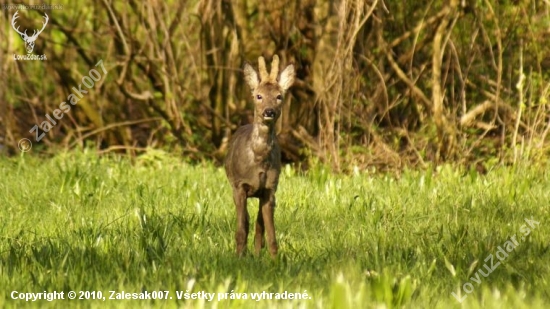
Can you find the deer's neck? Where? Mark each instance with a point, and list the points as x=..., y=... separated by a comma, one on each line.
x=263, y=140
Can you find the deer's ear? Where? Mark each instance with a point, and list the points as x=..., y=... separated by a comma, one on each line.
x=251, y=77
x=287, y=78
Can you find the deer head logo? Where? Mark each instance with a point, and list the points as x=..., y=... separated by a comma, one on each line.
x=29, y=40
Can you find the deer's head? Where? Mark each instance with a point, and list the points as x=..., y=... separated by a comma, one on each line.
x=268, y=90
x=29, y=40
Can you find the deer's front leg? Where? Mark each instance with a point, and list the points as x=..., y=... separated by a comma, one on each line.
x=259, y=241
x=239, y=195
x=267, y=205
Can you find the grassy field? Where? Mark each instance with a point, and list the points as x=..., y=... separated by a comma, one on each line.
x=79, y=222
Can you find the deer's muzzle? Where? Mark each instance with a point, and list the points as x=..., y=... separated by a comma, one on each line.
x=269, y=114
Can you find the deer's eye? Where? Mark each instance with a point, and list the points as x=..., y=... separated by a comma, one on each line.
x=279, y=97
x=258, y=97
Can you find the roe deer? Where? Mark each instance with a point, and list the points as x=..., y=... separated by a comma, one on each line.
x=253, y=161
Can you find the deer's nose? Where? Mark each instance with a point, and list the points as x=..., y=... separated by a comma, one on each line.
x=269, y=113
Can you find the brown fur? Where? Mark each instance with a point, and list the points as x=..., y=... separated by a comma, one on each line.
x=253, y=161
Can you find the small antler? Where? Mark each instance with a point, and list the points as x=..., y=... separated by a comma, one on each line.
x=263, y=71
x=274, y=68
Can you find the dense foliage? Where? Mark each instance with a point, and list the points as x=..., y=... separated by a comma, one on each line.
x=382, y=83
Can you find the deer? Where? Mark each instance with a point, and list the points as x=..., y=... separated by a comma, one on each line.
x=29, y=40
x=253, y=160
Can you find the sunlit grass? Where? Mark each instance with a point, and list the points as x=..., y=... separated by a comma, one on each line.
x=79, y=222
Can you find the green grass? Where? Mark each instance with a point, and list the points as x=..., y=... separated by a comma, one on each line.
x=79, y=222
